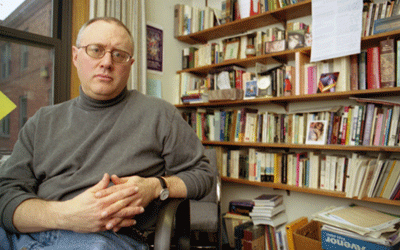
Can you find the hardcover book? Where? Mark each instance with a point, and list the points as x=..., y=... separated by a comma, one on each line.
x=373, y=68
x=387, y=63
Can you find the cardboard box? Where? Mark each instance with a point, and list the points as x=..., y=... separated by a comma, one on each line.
x=308, y=237
x=225, y=94
x=335, y=241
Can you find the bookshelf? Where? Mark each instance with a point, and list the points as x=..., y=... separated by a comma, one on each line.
x=301, y=9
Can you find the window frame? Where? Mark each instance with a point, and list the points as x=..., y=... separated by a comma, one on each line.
x=60, y=42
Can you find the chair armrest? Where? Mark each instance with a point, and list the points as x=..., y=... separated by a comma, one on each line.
x=170, y=225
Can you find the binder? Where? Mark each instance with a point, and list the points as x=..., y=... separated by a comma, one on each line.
x=292, y=227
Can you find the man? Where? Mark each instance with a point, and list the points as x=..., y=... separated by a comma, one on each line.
x=83, y=169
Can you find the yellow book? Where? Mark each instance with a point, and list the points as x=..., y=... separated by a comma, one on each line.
x=291, y=227
x=348, y=128
x=387, y=178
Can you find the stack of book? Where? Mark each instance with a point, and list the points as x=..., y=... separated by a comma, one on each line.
x=358, y=226
x=268, y=210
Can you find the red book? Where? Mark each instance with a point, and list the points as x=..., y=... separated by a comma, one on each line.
x=373, y=68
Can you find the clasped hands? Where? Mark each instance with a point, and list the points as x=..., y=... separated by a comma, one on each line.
x=103, y=208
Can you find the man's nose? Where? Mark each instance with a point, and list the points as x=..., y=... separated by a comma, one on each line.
x=107, y=61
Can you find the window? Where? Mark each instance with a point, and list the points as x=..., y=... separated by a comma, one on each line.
x=35, y=60
x=24, y=57
x=23, y=110
x=5, y=60
x=5, y=126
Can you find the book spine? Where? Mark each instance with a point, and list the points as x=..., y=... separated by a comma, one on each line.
x=373, y=68
x=387, y=63
x=368, y=124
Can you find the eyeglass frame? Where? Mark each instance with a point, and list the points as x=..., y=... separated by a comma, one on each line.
x=105, y=51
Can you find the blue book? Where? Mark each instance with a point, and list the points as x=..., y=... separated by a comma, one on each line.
x=335, y=241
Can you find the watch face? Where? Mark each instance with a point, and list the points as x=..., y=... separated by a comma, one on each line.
x=164, y=194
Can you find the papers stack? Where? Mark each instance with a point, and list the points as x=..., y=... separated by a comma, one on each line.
x=358, y=222
x=268, y=210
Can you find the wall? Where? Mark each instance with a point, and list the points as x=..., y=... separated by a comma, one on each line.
x=297, y=204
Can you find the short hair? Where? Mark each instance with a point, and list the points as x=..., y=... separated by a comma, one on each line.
x=105, y=19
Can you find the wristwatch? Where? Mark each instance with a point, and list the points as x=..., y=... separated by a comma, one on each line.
x=164, y=191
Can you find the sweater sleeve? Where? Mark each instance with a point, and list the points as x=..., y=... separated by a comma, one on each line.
x=17, y=181
x=184, y=157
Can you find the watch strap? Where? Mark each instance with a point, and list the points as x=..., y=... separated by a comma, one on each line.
x=162, y=181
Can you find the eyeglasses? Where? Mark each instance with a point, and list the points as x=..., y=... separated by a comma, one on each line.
x=98, y=51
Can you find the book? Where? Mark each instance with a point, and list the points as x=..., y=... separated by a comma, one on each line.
x=393, y=126
x=253, y=237
x=242, y=206
x=373, y=68
x=268, y=200
x=274, y=221
x=387, y=63
x=368, y=124
x=291, y=227
x=266, y=210
x=391, y=180
x=354, y=71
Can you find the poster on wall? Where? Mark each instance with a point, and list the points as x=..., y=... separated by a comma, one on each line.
x=154, y=39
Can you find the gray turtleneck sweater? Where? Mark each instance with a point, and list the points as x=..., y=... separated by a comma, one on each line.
x=66, y=148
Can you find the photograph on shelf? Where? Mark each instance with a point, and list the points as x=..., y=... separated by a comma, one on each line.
x=264, y=86
x=251, y=89
x=232, y=50
x=296, y=39
x=316, y=132
x=327, y=82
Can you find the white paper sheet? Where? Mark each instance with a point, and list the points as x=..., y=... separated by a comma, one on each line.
x=336, y=28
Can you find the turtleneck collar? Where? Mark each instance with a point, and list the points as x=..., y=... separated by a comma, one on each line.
x=87, y=102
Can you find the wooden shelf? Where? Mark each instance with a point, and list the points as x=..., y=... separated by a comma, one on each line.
x=282, y=57
x=284, y=100
x=305, y=146
x=240, y=26
x=307, y=190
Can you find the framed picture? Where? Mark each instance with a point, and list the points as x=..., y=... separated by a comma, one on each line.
x=231, y=50
x=154, y=41
x=251, y=89
x=327, y=82
x=316, y=132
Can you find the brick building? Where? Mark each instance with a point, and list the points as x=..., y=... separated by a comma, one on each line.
x=25, y=71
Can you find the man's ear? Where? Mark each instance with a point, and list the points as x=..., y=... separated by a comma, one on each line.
x=74, y=55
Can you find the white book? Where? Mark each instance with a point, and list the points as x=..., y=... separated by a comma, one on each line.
x=369, y=172
x=225, y=164
x=353, y=161
x=342, y=65
x=234, y=164
x=314, y=170
x=301, y=129
x=217, y=125
x=340, y=173
x=290, y=169
x=332, y=174
x=260, y=167
x=322, y=184
x=252, y=164
x=211, y=125
x=382, y=177
x=328, y=172
x=359, y=176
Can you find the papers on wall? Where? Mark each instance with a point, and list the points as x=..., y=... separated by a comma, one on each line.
x=336, y=28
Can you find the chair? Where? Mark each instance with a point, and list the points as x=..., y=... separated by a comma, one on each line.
x=196, y=219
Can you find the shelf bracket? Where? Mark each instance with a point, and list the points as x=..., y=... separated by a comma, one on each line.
x=288, y=192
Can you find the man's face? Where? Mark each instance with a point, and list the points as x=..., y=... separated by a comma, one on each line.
x=102, y=78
